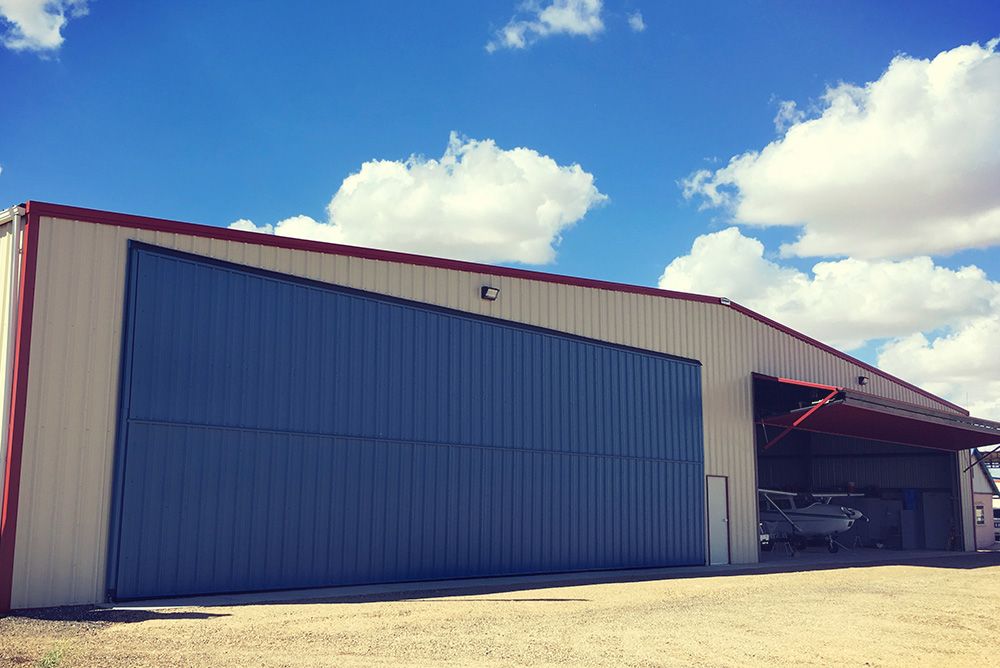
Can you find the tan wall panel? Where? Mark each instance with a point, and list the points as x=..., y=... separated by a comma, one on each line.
x=6, y=241
x=966, y=496
x=73, y=380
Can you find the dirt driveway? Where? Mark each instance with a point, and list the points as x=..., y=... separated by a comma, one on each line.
x=940, y=612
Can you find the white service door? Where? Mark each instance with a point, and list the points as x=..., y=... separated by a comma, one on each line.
x=718, y=519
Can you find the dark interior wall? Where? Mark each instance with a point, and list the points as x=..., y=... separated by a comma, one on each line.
x=806, y=461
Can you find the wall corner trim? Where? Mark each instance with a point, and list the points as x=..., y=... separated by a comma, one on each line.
x=16, y=415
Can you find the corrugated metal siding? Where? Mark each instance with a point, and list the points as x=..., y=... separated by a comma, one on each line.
x=831, y=462
x=965, y=495
x=64, y=504
x=883, y=472
x=287, y=427
x=6, y=240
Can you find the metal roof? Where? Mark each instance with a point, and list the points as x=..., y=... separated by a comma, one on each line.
x=35, y=209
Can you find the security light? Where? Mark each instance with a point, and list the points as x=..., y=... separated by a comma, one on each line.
x=862, y=380
x=489, y=293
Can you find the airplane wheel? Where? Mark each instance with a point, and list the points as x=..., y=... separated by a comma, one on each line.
x=833, y=546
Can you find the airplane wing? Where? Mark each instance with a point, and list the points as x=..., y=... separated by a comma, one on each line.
x=836, y=495
x=776, y=492
x=825, y=497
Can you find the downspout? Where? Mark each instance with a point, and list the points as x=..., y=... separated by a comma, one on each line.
x=13, y=271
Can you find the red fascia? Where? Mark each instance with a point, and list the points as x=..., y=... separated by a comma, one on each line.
x=161, y=225
x=19, y=401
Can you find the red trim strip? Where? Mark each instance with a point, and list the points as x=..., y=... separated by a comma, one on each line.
x=190, y=229
x=161, y=225
x=19, y=399
x=805, y=383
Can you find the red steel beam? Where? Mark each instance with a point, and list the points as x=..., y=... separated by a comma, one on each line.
x=822, y=402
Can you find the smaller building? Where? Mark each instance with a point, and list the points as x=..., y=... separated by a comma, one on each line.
x=985, y=505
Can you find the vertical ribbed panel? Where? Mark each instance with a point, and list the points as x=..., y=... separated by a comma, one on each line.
x=284, y=434
x=6, y=242
x=966, y=496
x=65, y=491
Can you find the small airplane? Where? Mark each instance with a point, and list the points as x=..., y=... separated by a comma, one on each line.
x=798, y=518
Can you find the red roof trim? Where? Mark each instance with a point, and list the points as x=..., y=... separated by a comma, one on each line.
x=161, y=225
x=173, y=226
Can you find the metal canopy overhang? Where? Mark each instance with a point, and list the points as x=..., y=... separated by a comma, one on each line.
x=848, y=413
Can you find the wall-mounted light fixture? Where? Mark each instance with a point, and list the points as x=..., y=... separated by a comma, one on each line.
x=489, y=293
x=862, y=380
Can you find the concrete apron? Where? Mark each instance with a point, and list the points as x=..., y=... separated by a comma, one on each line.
x=774, y=562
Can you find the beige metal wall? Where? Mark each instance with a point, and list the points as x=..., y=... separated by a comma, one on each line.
x=72, y=387
x=6, y=241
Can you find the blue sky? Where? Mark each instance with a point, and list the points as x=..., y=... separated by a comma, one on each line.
x=213, y=112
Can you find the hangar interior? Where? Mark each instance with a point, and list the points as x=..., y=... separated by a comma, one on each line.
x=894, y=462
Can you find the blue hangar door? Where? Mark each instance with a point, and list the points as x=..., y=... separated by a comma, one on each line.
x=279, y=433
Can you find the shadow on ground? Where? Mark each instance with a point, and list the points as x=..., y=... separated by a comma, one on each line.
x=800, y=563
x=90, y=615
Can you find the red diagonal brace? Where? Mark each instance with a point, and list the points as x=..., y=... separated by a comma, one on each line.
x=819, y=404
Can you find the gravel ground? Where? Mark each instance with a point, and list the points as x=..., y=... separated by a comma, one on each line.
x=943, y=612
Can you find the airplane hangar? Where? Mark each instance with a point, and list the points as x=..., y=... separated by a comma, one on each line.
x=196, y=410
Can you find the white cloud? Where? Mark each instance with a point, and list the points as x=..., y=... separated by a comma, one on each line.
x=788, y=115
x=845, y=303
x=635, y=22
x=904, y=165
x=245, y=225
x=559, y=17
x=477, y=202
x=962, y=365
x=36, y=25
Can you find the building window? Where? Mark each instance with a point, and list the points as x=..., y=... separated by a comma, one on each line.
x=980, y=515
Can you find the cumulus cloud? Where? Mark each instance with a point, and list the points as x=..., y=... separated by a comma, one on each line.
x=477, y=202
x=535, y=21
x=846, y=302
x=961, y=365
x=636, y=22
x=36, y=25
x=904, y=165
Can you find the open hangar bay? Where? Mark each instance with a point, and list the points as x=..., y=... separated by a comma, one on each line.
x=197, y=410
